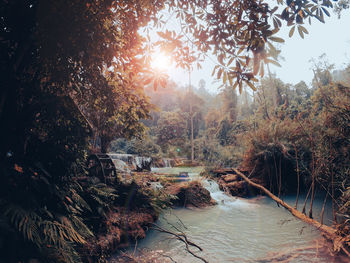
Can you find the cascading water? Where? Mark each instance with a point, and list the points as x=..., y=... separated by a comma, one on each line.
x=167, y=162
x=133, y=161
x=239, y=230
x=223, y=200
x=141, y=162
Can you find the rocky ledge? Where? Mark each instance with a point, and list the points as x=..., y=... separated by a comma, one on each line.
x=233, y=184
x=190, y=194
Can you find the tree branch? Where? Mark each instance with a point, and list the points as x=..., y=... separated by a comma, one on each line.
x=329, y=232
x=183, y=238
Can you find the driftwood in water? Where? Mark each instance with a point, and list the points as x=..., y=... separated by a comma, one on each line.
x=181, y=236
x=329, y=232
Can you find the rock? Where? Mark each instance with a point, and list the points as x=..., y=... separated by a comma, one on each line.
x=232, y=184
x=230, y=177
x=191, y=194
x=237, y=188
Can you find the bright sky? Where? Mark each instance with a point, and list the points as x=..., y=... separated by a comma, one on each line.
x=332, y=38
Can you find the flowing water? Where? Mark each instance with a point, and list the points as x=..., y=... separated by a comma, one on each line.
x=239, y=230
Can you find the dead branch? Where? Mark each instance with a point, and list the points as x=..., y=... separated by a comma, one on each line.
x=183, y=238
x=329, y=232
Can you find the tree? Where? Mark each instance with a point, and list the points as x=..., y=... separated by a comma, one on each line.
x=192, y=99
x=171, y=129
x=61, y=62
x=322, y=71
x=229, y=107
x=238, y=33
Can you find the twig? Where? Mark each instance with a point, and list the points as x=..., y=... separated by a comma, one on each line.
x=183, y=238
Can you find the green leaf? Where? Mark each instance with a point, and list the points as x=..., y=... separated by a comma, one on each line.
x=213, y=73
x=262, y=70
x=155, y=85
x=277, y=39
x=147, y=81
x=251, y=85
x=304, y=29
x=256, y=67
x=230, y=61
x=236, y=84
x=326, y=12
x=218, y=76
x=224, y=78
x=291, y=32
x=230, y=80
x=300, y=32
x=221, y=59
x=273, y=62
x=240, y=50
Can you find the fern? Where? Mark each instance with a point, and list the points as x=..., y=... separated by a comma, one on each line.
x=59, y=235
x=102, y=195
x=25, y=222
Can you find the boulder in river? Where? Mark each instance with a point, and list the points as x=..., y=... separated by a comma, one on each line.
x=191, y=194
x=237, y=188
x=230, y=178
x=232, y=184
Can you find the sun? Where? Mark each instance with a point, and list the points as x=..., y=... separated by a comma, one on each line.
x=160, y=62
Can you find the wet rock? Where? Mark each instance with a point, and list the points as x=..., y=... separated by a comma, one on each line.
x=191, y=194
x=230, y=178
x=232, y=184
x=237, y=188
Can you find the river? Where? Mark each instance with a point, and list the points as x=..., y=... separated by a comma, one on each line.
x=239, y=230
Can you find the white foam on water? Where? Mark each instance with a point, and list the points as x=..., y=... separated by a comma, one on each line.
x=225, y=201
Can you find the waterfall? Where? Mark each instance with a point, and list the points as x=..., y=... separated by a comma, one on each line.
x=141, y=162
x=121, y=165
x=127, y=158
x=134, y=162
x=167, y=162
x=225, y=201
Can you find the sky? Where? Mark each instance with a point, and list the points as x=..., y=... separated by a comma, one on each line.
x=332, y=38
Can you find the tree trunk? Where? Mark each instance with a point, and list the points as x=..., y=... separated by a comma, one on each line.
x=313, y=183
x=104, y=144
x=323, y=207
x=298, y=177
x=280, y=176
x=276, y=174
x=330, y=233
x=305, y=202
x=191, y=116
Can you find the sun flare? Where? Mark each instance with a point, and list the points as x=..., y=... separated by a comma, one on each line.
x=160, y=61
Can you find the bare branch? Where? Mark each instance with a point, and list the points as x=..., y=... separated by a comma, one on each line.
x=183, y=238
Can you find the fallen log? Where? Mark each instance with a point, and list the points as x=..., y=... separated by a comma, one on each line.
x=329, y=232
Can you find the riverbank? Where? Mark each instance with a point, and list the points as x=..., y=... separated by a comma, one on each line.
x=231, y=216
x=141, y=198
x=240, y=230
